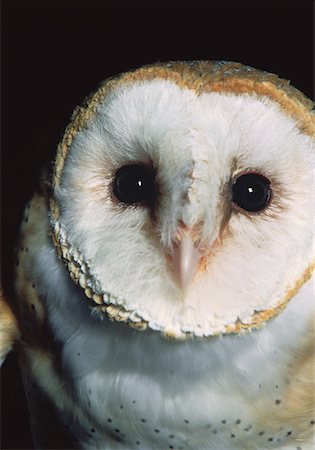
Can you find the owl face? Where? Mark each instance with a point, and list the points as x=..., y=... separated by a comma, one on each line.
x=184, y=211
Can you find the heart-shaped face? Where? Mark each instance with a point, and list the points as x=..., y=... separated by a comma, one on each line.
x=182, y=197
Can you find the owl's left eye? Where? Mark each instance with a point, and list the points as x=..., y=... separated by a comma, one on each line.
x=251, y=192
x=134, y=183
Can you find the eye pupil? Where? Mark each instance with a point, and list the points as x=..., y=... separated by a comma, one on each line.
x=252, y=192
x=134, y=184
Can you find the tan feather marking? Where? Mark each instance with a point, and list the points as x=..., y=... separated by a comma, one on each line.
x=9, y=331
x=288, y=103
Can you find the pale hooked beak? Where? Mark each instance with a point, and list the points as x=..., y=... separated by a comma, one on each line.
x=186, y=259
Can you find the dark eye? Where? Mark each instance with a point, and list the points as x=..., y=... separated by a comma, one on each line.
x=252, y=192
x=134, y=183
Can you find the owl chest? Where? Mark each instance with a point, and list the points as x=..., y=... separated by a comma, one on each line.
x=130, y=408
x=128, y=412
x=140, y=413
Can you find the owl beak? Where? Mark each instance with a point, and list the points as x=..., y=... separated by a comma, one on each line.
x=186, y=259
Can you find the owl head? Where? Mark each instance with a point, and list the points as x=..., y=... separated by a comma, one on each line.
x=182, y=197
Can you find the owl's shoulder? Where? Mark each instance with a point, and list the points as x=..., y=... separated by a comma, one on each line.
x=34, y=237
x=22, y=314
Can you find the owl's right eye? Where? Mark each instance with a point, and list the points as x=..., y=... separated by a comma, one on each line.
x=134, y=183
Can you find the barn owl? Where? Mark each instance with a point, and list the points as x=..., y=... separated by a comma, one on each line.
x=164, y=269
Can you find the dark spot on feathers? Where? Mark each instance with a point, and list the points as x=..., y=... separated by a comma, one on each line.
x=109, y=420
x=17, y=263
x=248, y=428
x=143, y=420
x=238, y=421
x=232, y=435
x=33, y=307
x=270, y=439
x=171, y=446
x=186, y=421
x=277, y=402
x=121, y=407
x=277, y=386
x=312, y=422
x=92, y=430
x=133, y=401
x=289, y=433
x=171, y=436
x=214, y=431
x=261, y=433
x=224, y=422
x=138, y=443
x=78, y=354
x=117, y=431
x=156, y=430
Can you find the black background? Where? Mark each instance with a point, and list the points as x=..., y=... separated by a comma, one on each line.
x=55, y=52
